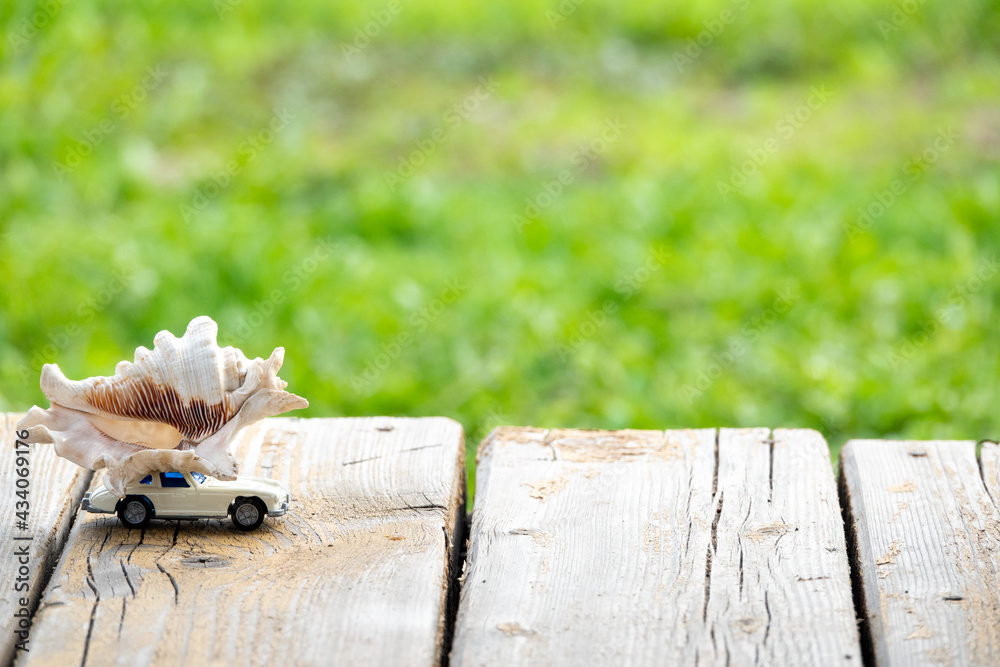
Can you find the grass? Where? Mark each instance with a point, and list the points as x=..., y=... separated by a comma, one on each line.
x=516, y=213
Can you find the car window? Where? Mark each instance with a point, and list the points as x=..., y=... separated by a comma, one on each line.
x=198, y=477
x=173, y=480
x=148, y=479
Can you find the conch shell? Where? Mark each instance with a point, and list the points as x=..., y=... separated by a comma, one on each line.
x=176, y=407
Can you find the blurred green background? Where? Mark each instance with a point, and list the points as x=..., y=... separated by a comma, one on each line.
x=577, y=213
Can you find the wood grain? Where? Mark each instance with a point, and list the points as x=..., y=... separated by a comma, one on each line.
x=927, y=546
x=651, y=547
x=55, y=489
x=355, y=573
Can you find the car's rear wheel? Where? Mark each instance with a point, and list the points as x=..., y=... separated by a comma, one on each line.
x=135, y=512
x=248, y=513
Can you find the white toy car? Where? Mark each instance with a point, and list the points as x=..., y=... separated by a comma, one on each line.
x=191, y=495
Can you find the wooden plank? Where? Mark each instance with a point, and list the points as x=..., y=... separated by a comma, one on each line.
x=651, y=547
x=926, y=542
x=355, y=573
x=780, y=557
x=54, y=487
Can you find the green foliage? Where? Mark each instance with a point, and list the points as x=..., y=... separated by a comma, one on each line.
x=560, y=214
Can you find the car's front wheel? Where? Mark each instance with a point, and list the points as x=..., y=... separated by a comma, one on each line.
x=135, y=512
x=248, y=513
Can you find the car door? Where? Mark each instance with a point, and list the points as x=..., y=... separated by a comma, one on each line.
x=175, y=495
x=211, y=496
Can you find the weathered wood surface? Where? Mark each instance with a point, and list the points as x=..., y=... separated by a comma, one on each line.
x=927, y=538
x=659, y=548
x=355, y=573
x=55, y=489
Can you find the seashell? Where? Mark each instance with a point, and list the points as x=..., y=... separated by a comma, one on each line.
x=176, y=407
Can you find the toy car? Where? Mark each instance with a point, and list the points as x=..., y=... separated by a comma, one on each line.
x=192, y=495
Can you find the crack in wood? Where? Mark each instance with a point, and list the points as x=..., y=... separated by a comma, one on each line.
x=770, y=469
x=739, y=545
x=173, y=582
x=417, y=449
x=90, y=631
x=93, y=611
x=107, y=535
x=417, y=508
x=767, y=609
x=121, y=619
x=715, y=530
x=370, y=458
x=127, y=579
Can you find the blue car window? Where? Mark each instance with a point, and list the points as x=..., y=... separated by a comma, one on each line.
x=148, y=479
x=172, y=480
x=198, y=477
